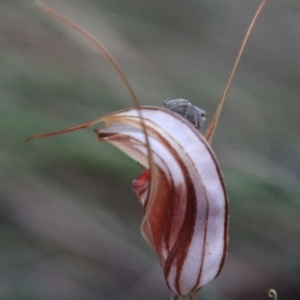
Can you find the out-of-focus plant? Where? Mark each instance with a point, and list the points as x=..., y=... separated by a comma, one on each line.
x=182, y=190
x=272, y=294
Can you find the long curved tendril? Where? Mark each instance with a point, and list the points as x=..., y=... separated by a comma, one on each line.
x=214, y=122
x=93, y=41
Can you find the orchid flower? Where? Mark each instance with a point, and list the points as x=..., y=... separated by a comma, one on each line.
x=184, y=198
x=182, y=189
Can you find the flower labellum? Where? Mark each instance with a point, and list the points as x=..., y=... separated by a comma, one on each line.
x=183, y=194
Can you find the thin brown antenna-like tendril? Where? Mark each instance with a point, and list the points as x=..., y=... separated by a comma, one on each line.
x=213, y=124
x=272, y=294
x=62, y=131
x=94, y=42
x=87, y=36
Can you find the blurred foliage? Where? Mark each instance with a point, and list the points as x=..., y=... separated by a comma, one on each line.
x=69, y=222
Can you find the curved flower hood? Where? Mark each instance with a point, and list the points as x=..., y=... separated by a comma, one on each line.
x=182, y=192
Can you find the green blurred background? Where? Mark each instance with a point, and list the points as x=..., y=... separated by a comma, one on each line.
x=69, y=221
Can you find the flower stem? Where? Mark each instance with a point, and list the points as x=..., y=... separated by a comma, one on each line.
x=188, y=297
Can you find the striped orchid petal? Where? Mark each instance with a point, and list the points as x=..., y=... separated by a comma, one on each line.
x=182, y=193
